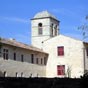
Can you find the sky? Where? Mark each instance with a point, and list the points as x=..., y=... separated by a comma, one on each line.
x=15, y=17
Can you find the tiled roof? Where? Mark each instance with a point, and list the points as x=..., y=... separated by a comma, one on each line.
x=14, y=43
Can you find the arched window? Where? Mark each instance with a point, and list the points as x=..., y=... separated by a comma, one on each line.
x=56, y=30
x=40, y=29
x=51, y=29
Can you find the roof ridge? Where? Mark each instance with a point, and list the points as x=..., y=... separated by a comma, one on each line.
x=20, y=45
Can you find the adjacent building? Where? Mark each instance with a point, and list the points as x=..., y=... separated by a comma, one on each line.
x=21, y=60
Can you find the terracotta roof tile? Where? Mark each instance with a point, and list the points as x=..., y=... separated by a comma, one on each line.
x=20, y=45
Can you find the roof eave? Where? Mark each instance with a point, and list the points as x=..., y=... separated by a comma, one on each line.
x=44, y=18
x=23, y=48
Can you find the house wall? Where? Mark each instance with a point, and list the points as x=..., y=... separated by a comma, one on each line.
x=72, y=59
x=29, y=70
x=12, y=66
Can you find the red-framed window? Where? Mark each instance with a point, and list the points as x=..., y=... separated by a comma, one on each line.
x=60, y=51
x=61, y=70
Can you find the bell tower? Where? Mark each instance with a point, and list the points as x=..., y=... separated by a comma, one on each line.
x=44, y=26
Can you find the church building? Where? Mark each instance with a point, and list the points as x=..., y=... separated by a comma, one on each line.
x=49, y=55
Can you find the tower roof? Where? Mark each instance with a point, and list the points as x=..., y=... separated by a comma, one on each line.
x=44, y=14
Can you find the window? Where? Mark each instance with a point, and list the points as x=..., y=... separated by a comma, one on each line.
x=87, y=51
x=60, y=51
x=41, y=60
x=36, y=60
x=0, y=52
x=61, y=70
x=56, y=30
x=22, y=58
x=32, y=58
x=51, y=29
x=14, y=56
x=40, y=28
x=5, y=54
x=44, y=60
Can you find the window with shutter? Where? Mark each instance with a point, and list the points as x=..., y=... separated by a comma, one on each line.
x=60, y=51
x=61, y=70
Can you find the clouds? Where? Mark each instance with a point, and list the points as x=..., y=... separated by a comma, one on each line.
x=15, y=19
x=23, y=38
x=63, y=11
x=15, y=27
x=76, y=12
x=74, y=35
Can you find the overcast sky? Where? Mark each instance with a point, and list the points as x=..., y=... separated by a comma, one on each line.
x=15, y=16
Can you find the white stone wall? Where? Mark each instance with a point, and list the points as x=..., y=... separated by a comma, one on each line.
x=29, y=70
x=37, y=39
x=73, y=56
x=46, y=26
x=11, y=66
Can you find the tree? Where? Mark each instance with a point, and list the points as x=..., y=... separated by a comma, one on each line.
x=84, y=28
x=68, y=72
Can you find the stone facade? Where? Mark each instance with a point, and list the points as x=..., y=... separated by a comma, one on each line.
x=19, y=61
x=74, y=59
